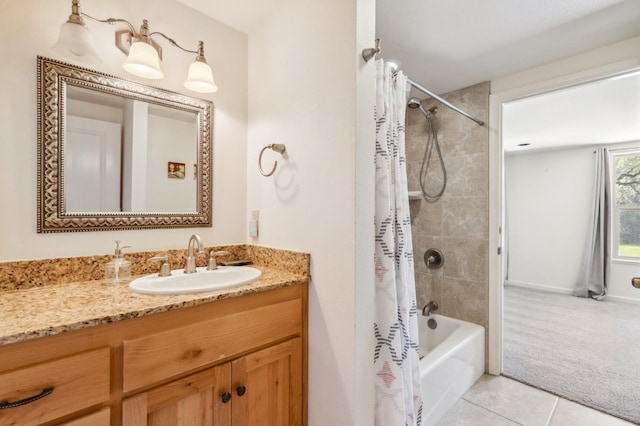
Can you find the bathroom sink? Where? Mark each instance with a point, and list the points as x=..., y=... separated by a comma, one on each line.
x=202, y=280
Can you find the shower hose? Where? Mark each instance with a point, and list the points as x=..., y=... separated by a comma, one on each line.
x=432, y=142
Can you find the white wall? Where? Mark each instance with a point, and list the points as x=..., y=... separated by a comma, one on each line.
x=548, y=201
x=305, y=75
x=28, y=28
x=548, y=204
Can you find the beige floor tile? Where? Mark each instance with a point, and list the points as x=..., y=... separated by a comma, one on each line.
x=464, y=413
x=570, y=413
x=511, y=399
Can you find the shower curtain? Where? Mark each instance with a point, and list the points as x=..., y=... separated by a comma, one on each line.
x=396, y=359
x=592, y=281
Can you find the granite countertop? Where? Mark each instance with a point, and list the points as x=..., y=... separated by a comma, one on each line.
x=42, y=311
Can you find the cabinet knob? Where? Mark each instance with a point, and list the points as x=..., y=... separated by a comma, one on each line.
x=226, y=397
x=241, y=390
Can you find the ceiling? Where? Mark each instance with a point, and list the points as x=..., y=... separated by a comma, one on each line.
x=239, y=14
x=602, y=112
x=447, y=45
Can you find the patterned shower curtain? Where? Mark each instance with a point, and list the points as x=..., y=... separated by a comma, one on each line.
x=398, y=396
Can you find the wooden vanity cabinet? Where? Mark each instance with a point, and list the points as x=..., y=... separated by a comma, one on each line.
x=238, y=361
x=262, y=388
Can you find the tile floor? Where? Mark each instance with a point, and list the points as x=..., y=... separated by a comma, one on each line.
x=499, y=401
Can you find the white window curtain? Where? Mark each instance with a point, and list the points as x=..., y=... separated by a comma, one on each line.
x=592, y=281
x=398, y=395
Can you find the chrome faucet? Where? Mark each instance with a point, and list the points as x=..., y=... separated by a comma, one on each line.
x=190, y=263
x=429, y=307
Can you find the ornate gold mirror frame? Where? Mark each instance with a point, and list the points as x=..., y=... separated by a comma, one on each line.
x=53, y=78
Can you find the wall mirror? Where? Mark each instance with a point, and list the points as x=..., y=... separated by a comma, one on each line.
x=115, y=154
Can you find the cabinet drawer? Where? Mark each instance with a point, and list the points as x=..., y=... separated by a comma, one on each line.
x=78, y=381
x=99, y=418
x=154, y=358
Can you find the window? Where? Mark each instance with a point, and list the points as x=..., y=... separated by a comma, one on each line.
x=626, y=208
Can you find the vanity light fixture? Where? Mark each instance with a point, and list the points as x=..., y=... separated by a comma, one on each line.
x=143, y=53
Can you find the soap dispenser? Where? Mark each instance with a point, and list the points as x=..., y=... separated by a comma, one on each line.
x=118, y=271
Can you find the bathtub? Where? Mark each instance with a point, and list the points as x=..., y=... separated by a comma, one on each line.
x=451, y=360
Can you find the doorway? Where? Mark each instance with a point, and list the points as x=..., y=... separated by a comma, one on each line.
x=510, y=262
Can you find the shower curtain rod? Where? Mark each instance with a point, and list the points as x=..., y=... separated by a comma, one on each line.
x=443, y=101
x=368, y=54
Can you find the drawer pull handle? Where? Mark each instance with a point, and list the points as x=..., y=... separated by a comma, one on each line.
x=241, y=390
x=7, y=404
x=226, y=397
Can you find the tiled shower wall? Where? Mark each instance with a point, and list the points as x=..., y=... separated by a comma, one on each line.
x=457, y=224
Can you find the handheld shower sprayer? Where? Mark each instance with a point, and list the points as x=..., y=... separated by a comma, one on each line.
x=415, y=103
x=432, y=142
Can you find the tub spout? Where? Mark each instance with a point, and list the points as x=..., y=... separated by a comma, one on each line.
x=429, y=307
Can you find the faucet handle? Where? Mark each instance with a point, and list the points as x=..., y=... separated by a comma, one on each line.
x=165, y=269
x=213, y=264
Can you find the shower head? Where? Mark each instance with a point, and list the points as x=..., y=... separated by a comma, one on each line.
x=414, y=103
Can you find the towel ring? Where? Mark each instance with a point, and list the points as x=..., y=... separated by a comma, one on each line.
x=277, y=147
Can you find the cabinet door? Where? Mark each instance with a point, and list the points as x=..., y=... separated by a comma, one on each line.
x=200, y=399
x=267, y=386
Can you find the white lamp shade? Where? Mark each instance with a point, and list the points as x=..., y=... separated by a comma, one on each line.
x=143, y=61
x=75, y=41
x=200, y=78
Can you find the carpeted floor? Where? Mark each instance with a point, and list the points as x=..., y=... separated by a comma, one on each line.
x=580, y=349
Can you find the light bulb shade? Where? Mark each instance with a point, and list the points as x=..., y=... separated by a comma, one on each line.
x=200, y=78
x=75, y=41
x=143, y=61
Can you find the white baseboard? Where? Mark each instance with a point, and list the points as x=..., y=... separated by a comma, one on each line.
x=566, y=291
x=539, y=287
x=623, y=299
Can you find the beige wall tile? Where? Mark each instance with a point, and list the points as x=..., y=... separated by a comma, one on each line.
x=457, y=224
x=465, y=259
x=428, y=288
x=471, y=176
x=426, y=217
x=465, y=217
x=465, y=300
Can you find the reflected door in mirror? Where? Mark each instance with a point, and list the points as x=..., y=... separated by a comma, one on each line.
x=92, y=165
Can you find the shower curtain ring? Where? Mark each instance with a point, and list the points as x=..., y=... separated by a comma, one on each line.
x=277, y=147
